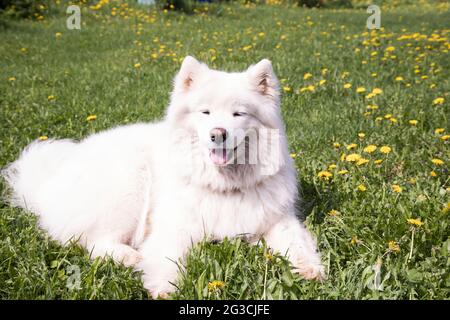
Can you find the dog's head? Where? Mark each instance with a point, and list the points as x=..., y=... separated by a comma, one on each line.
x=227, y=117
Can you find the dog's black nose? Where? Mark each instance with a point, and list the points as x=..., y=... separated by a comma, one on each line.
x=218, y=135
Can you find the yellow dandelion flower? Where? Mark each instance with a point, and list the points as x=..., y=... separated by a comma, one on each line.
x=12, y=79
x=437, y=162
x=377, y=91
x=342, y=172
x=43, y=138
x=355, y=240
x=347, y=86
x=333, y=213
x=51, y=97
x=378, y=118
x=58, y=34
x=351, y=146
x=322, y=82
x=287, y=89
x=370, y=148
x=447, y=207
x=336, y=144
x=433, y=174
x=307, y=75
x=215, y=285
x=445, y=137
x=385, y=149
x=390, y=48
x=361, y=135
x=362, y=161
x=438, y=101
x=92, y=117
x=360, y=90
x=362, y=188
x=413, y=122
x=268, y=256
x=354, y=157
x=415, y=222
x=439, y=130
x=388, y=116
x=310, y=88
x=325, y=175
x=396, y=188
x=293, y=155
x=137, y=65
x=332, y=166
x=393, y=246
x=378, y=161
x=399, y=78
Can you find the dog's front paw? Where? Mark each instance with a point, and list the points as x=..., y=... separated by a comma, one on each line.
x=127, y=255
x=132, y=259
x=159, y=289
x=310, y=270
x=159, y=267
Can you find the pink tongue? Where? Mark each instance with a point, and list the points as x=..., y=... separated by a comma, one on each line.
x=218, y=156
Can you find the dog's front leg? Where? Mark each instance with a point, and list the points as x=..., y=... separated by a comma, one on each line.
x=290, y=237
x=161, y=254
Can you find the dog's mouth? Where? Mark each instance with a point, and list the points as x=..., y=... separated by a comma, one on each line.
x=221, y=156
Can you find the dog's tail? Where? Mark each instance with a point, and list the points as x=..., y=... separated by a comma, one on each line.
x=25, y=176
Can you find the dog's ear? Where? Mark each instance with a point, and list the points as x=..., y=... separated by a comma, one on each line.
x=189, y=70
x=264, y=79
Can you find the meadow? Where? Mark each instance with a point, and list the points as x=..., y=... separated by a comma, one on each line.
x=366, y=114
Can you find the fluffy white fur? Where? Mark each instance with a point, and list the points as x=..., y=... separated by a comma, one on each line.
x=145, y=193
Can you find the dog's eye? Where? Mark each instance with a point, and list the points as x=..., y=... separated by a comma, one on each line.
x=205, y=111
x=238, y=114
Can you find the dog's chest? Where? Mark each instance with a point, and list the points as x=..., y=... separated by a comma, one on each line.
x=230, y=214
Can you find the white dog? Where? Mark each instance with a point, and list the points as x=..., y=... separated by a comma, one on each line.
x=217, y=166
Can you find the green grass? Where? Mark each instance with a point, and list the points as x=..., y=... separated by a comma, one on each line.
x=91, y=72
